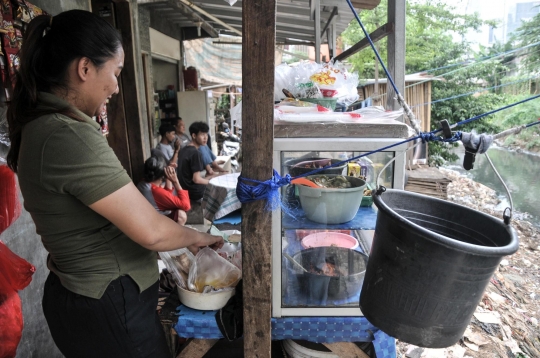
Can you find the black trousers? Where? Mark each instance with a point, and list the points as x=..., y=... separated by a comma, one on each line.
x=123, y=323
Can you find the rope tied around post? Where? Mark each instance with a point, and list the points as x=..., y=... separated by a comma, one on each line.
x=268, y=189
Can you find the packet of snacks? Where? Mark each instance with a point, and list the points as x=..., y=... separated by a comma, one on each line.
x=335, y=81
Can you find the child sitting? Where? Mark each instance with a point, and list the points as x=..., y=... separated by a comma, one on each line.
x=156, y=171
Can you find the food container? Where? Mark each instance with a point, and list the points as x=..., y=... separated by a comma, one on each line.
x=205, y=301
x=329, y=103
x=347, y=266
x=301, y=166
x=329, y=238
x=367, y=200
x=332, y=206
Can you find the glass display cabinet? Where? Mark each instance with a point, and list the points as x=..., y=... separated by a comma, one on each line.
x=318, y=256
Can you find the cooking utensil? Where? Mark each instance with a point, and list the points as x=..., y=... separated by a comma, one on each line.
x=288, y=94
x=304, y=181
x=293, y=261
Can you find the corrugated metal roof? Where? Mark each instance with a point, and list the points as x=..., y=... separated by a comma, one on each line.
x=294, y=22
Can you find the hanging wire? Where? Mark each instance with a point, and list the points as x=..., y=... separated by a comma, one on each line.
x=474, y=92
x=482, y=59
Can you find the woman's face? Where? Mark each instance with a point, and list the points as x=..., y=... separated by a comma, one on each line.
x=105, y=83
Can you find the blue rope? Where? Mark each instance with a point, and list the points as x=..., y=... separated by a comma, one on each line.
x=373, y=47
x=267, y=189
x=491, y=112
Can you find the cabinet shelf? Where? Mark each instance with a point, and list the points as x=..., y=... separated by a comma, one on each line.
x=298, y=293
x=364, y=219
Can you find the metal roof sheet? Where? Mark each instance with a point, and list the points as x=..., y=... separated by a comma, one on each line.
x=294, y=22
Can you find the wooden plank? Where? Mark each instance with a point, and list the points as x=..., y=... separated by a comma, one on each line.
x=317, y=26
x=149, y=98
x=130, y=92
x=396, y=51
x=258, y=44
x=346, y=350
x=375, y=36
x=197, y=348
x=117, y=137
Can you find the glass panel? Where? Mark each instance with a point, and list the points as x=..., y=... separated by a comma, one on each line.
x=323, y=260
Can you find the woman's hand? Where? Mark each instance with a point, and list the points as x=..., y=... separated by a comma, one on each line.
x=217, y=244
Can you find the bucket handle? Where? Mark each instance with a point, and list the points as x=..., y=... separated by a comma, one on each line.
x=380, y=190
x=507, y=214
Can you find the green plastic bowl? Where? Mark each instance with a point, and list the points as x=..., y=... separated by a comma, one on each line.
x=329, y=103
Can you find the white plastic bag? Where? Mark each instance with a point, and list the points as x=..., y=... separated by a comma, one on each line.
x=178, y=263
x=282, y=74
x=210, y=269
x=335, y=81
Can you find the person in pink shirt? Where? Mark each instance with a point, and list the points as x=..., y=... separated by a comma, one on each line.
x=159, y=186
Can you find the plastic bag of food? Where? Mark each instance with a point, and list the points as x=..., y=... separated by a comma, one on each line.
x=282, y=75
x=178, y=263
x=335, y=81
x=210, y=269
x=302, y=85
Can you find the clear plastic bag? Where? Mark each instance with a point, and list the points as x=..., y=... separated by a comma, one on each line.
x=302, y=86
x=210, y=269
x=282, y=74
x=336, y=81
x=179, y=263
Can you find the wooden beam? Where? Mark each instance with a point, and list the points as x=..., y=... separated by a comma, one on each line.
x=258, y=44
x=375, y=36
x=317, y=30
x=197, y=348
x=330, y=20
x=144, y=2
x=130, y=94
x=118, y=134
x=396, y=52
x=191, y=15
x=117, y=137
x=346, y=350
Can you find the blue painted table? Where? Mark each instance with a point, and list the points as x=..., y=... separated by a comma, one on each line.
x=202, y=325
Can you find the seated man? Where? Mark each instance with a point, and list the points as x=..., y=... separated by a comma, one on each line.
x=209, y=159
x=190, y=163
x=162, y=199
x=169, y=144
x=180, y=132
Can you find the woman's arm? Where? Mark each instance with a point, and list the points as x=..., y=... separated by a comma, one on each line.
x=132, y=213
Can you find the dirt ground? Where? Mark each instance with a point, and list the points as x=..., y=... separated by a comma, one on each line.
x=505, y=323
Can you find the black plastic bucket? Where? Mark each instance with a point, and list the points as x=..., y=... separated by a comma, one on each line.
x=430, y=263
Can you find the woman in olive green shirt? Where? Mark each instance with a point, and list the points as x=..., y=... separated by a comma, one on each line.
x=100, y=232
